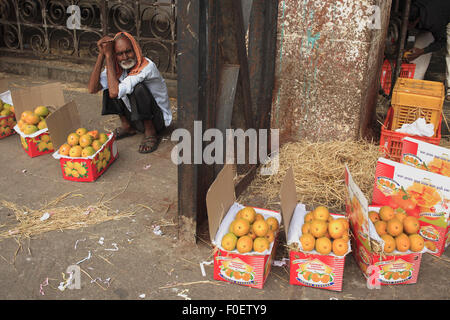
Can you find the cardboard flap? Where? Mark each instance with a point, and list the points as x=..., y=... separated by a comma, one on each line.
x=4, y=85
x=62, y=122
x=29, y=98
x=288, y=197
x=219, y=198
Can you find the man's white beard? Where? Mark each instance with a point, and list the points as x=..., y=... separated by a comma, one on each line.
x=127, y=64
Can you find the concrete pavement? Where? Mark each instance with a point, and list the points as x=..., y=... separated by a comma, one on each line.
x=159, y=266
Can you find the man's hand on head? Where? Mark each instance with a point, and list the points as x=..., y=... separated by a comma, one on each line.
x=104, y=44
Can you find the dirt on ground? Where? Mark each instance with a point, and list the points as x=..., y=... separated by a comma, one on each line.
x=139, y=257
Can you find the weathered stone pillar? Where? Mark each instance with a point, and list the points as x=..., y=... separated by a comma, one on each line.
x=328, y=66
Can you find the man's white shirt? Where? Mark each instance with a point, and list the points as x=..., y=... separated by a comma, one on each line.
x=152, y=79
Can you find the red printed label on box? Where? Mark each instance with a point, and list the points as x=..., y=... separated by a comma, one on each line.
x=398, y=269
x=316, y=271
x=246, y=270
x=426, y=156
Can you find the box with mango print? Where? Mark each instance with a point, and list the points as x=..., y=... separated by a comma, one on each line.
x=311, y=268
x=36, y=144
x=79, y=167
x=31, y=126
x=378, y=267
x=91, y=167
x=421, y=193
x=7, y=115
x=307, y=266
x=249, y=269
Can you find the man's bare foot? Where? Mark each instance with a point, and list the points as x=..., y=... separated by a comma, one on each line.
x=121, y=132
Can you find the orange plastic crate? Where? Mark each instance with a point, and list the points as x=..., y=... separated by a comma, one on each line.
x=391, y=142
x=407, y=70
x=413, y=99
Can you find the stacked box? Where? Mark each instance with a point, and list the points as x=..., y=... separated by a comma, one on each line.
x=248, y=269
x=428, y=196
x=50, y=95
x=8, y=122
x=407, y=70
x=89, y=168
x=391, y=142
x=61, y=123
x=413, y=99
x=36, y=144
x=307, y=268
x=390, y=269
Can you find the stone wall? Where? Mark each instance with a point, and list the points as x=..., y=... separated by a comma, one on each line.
x=328, y=63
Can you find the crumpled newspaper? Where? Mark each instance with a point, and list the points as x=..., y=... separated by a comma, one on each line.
x=418, y=128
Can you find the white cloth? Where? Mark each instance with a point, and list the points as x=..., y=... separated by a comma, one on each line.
x=418, y=128
x=152, y=79
x=423, y=40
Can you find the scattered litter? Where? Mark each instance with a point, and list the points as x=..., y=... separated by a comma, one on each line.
x=202, y=268
x=90, y=268
x=101, y=240
x=216, y=283
x=157, y=230
x=147, y=166
x=115, y=247
x=45, y=216
x=25, y=213
x=24, y=170
x=142, y=296
x=76, y=242
x=106, y=281
x=280, y=263
x=42, y=285
x=333, y=298
x=12, y=232
x=87, y=258
x=183, y=294
x=130, y=240
x=64, y=284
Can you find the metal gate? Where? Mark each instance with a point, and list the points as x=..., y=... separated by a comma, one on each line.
x=69, y=29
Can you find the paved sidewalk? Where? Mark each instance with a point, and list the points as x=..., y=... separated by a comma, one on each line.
x=159, y=266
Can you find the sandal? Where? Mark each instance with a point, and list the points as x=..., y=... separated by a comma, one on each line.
x=150, y=143
x=121, y=133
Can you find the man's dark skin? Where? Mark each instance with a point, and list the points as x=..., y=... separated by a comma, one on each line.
x=119, y=50
x=433, y=17
x=414, y=53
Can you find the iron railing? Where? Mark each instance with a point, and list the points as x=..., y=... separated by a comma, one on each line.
x=48, y=29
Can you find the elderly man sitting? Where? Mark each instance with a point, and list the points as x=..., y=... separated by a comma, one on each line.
x=133, y=88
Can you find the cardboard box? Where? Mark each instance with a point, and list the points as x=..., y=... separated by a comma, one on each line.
x=61, y=123
x=391, y=269
x=426, y=156
x=429, y=198
x=7, y=123
x=248, y=269
x=50, y=95
x=307, y=268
